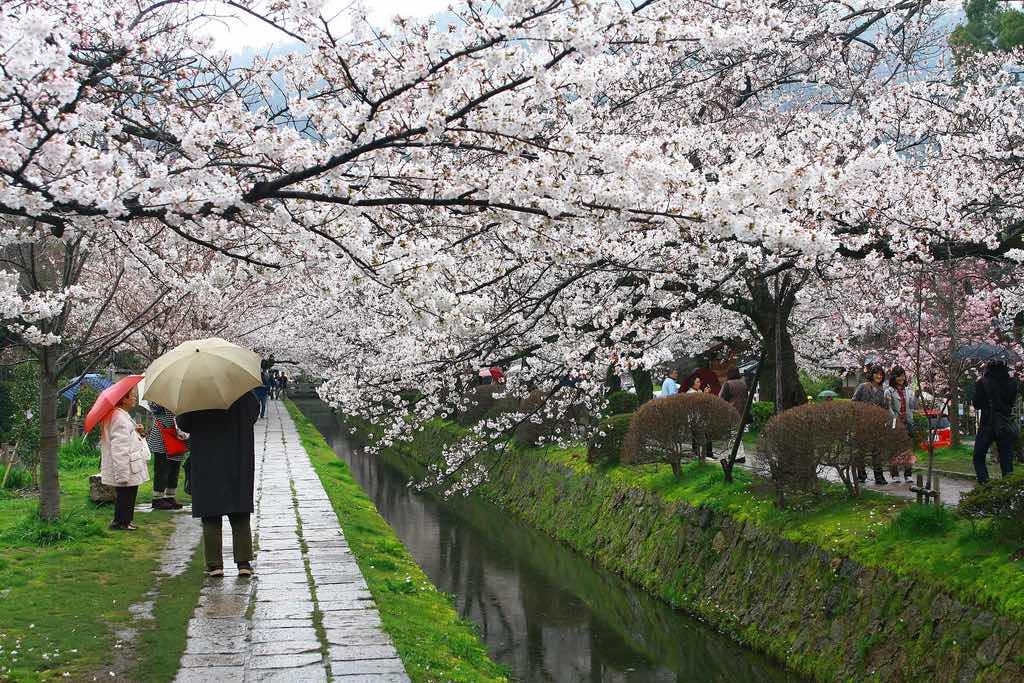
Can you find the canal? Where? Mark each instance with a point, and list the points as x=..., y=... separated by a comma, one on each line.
x=543, y=611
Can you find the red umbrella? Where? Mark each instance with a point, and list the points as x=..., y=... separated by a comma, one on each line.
x=108, y=400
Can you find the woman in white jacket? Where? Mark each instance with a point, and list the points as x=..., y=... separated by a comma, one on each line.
x=124, y=460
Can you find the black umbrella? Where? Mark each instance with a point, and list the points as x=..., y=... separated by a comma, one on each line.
x=986, y=352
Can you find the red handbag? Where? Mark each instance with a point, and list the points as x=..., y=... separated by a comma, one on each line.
x=172, y=444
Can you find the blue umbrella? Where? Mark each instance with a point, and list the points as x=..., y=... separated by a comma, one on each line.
x=97, y=382
x=986, y=352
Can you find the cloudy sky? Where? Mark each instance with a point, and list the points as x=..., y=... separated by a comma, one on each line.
x=236, y=32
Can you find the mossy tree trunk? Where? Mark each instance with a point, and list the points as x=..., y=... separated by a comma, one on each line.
x=49, y=484
x=769, y=310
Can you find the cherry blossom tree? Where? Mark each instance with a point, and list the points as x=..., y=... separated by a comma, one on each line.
x=555, y=186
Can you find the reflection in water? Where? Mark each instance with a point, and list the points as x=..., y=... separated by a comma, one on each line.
x=545, y=612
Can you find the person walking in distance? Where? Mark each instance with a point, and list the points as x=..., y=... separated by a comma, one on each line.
x=166, y=467
x=994, y=395
x=223, y=472
x=900, y=400
x=873, y=392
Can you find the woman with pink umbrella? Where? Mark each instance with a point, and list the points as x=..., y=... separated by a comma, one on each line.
x=124, y=455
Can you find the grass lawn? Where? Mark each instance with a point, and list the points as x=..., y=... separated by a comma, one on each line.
x=433, y=642
x=61, y=599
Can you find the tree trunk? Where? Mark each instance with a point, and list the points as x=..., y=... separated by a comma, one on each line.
x=781, y=365
x=49, y=485
x=643, y=385
x=767, y=312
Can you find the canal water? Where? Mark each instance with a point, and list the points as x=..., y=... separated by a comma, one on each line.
x=543, y=611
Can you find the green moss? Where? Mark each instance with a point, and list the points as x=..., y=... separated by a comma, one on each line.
x=433, y=642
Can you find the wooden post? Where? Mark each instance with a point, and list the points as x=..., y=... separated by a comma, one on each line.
x=935, y=491
x=920, y=487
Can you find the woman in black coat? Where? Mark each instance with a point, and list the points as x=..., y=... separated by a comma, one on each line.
x=222, y=471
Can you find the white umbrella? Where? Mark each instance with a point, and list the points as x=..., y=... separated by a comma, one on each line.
x=202, y=375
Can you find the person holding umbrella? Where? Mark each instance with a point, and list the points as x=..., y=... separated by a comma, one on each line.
x=208, y=384
x=124, y=455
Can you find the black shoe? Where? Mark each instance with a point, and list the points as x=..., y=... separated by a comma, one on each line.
x=116, y=526
x=163, y=504
x=741, y=460
x=175, y=505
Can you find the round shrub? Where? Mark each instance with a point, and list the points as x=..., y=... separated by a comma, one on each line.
x=844, y=435
x=606, y=446
x=620, y=402
x=676, y=428
x=1001, y=500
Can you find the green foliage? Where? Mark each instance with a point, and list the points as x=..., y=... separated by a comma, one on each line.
x=1001, y=500
x=924, y=520
x=607, y=449
x=814, y=385
x=70, y=527
x=990, y=26
x=622, y=402
x=86, y=398
x=18, y=478
x=760, y=413
x=22, y=399
x=78, y=453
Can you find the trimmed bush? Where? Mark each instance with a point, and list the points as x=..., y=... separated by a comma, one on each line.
x=761, y=412
x=607, y=449
x=1001, y=500
x=675, y=428
x=844, y=435
x=620, y=402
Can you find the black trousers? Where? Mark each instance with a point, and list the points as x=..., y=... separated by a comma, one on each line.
x=165, y=472
x=124, y=504
x=982, y=443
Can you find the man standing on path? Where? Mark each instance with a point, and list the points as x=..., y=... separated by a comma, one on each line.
x=994, y=395
x=222, y=475
x=735, y=392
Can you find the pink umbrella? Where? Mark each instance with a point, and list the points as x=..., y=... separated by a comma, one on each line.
x=107, y=401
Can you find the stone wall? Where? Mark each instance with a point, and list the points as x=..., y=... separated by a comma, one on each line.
x=825, y=616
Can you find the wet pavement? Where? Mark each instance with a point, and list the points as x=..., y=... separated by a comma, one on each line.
x=308, y=615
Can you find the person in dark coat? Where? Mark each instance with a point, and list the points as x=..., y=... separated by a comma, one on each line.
x=872, y=392
x=222, y=475
x=994, y=395
x=735, y=391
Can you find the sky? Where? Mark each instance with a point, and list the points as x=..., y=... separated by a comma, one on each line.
x=235, y=32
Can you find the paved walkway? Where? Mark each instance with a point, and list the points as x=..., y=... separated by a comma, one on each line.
x=308, y=615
